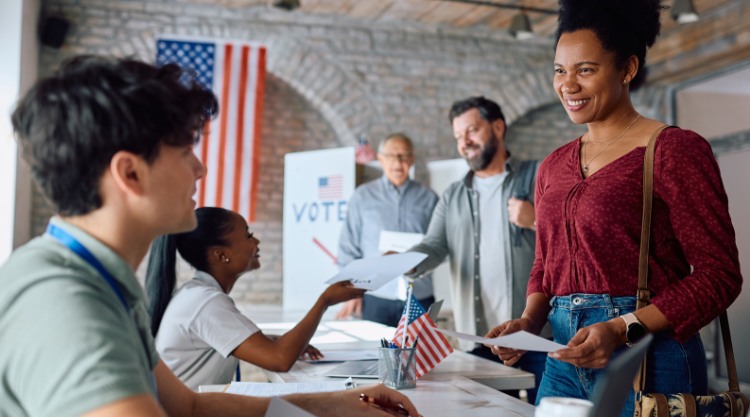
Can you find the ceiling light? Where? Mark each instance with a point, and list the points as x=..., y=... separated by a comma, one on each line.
x=683, y=11
x=520, y=27
x=287, y=5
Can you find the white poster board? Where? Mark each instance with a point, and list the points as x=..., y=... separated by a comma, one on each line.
x=317, y=188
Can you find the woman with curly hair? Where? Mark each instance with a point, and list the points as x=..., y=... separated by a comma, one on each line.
x=589, y=207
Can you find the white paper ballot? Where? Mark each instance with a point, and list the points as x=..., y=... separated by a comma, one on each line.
x=281, y=408
x=372, y=273
x=271, y=389
x=398, y=241
x=520, y=340
x=346, y=355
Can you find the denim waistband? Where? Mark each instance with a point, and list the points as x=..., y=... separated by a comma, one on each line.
x=581, y=301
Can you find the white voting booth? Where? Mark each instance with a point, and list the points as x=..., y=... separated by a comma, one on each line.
x=317, y=188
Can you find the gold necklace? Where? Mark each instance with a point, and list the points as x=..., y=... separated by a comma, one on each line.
x=585, y=145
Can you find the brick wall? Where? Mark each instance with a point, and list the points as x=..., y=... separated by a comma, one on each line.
x=333, y=79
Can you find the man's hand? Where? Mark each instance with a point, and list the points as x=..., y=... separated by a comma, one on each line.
x=351, y=308
x=521, y=213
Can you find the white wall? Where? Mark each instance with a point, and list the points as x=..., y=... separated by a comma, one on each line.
x=713, y=114
x=18, y=68
x=735, y=171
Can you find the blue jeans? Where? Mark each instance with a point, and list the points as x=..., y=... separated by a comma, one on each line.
x=530, y=362
x=672, y=366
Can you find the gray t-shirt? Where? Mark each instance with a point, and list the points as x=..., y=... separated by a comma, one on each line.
x=200, y=329
x=67, y=343
x=492, y=269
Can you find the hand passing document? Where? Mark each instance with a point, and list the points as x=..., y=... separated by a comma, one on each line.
x=372, y=273
x=522, y=340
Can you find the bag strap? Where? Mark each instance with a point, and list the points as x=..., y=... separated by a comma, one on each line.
x=644, y=295
x=726, y=337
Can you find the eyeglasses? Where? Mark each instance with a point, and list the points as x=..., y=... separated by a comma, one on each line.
x=400, y=157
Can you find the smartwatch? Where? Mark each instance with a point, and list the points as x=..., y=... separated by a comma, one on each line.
x=634, y=329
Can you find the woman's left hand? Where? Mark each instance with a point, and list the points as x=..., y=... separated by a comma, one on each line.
x=312, y=353
x=592, y=346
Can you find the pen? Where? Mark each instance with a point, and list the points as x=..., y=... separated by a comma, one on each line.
x=395, y=408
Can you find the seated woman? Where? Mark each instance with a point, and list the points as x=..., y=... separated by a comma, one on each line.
x=199, y=332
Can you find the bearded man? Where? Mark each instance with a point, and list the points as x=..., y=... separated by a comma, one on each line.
x=485, y=225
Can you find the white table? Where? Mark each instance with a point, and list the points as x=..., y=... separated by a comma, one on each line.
x=462, y=383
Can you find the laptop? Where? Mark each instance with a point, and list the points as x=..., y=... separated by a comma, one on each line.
x=369, y=368
x=615, y=385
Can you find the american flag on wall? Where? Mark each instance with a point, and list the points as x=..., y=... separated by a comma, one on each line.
x=432, y=347
x=330, y=187
x=230, y=146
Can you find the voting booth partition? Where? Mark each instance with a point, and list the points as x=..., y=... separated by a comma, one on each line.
x=317, y=187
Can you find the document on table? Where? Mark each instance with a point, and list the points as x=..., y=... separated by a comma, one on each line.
x=398, y=241
x=281, y=408
x=271, y=389
x=520, y=340
x=372, y=273
x=346, y=355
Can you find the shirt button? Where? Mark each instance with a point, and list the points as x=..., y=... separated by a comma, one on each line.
x=476, y=276
x=577, y=300
x=477, y=320
x=476, y=256
x=476, y=297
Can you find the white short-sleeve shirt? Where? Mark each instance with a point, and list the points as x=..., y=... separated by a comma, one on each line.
x=200, y=329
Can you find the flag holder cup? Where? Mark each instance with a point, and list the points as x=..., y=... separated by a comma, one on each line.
x=397, y=368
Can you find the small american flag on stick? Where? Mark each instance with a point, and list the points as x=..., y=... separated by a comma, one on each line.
x=433, y=347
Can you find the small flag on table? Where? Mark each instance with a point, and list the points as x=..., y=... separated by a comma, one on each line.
x=433, y=347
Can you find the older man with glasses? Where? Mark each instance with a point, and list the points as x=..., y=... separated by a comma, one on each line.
x=394, y=203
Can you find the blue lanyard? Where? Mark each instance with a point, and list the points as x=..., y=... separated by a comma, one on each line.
x=77, y=247
x=68, y=240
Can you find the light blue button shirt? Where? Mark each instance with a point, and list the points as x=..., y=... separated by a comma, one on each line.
x=376, y=206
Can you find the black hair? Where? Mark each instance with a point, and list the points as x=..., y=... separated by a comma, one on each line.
x=488, y=109
x=214, y=225
x=70, y=124
x=624, y=27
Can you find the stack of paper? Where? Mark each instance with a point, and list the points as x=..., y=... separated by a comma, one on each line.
x=270, y=389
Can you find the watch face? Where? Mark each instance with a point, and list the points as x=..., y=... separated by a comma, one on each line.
x=635, y=332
